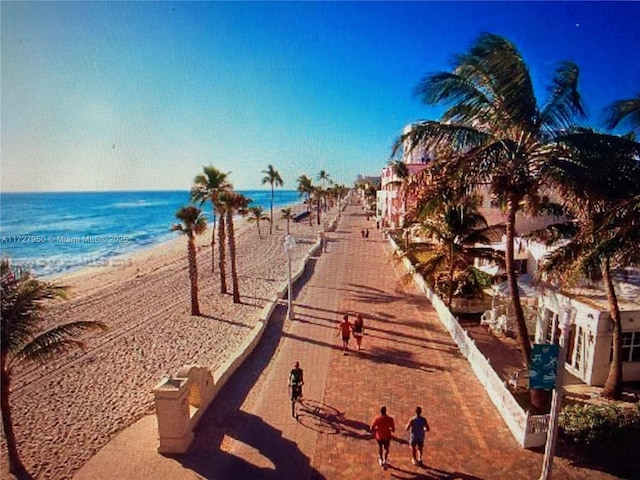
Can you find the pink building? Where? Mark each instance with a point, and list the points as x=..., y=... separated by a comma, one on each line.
x=391, y=205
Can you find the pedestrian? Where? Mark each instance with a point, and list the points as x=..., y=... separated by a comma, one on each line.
x=366, y=234
x=358, y=330
x=383, y=427
x=417, y=426
x=344, y=330
x=362, y=233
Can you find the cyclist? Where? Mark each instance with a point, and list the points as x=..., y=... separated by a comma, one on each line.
x=296, y=380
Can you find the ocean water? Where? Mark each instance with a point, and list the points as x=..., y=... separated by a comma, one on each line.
x=53, y=233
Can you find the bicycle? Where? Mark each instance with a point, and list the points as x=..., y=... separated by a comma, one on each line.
x=296, y=395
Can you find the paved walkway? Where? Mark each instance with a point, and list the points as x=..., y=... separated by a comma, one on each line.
x=408, y=359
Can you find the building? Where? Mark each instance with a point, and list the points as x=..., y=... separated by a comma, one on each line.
x=589, y=341
x=391, y=204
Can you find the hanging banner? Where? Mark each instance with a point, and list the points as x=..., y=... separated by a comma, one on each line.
x=542, y=370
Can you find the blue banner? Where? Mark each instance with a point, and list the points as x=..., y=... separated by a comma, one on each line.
x=542, y=370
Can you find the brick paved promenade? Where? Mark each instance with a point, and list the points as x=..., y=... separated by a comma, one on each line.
x=408, y=359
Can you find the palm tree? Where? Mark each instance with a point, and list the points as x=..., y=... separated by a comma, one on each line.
x=318, y=195
x=287, y=214
x=193, y=223
x=207, y=187
x=272, y=177
x=504, y=138
x=24, y=338
x=256, y=214
x=305, y=187
x=235, y=202
x=600, y=182
x=324, y=177
x=453, y=221
x=624, y=110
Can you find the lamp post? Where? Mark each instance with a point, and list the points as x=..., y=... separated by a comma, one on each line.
x=289, y=245
x=556, y=401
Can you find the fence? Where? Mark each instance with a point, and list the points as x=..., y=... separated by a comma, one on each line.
x=528, y=430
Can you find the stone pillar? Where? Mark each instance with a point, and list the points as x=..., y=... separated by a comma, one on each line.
x=172, y=411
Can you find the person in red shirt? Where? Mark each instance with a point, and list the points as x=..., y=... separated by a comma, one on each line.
x=344, y=329
x=383, y=427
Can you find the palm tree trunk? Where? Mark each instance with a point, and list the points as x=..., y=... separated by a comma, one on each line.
x=613, y=386
x=16, y=466
x=540, y=399
x=232, y=255
x=512, y=280
x=213, y=241
x=271, y=220
x=193, y=275
x=221, y=253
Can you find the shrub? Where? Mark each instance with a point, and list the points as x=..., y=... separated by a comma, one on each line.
x=597, y=424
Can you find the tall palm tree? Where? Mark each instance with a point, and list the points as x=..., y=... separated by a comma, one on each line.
x=318, y=195
x=600, y=182
x=272, y=177
x=305, y=187
x=493, y=120
x=207, y=187
x=287, y=214
x=324, y=177
x=256, y=214
x=623, y=110
x=193, y=223
x=235, y=203
x=25, y=338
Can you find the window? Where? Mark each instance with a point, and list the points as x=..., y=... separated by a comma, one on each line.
x=578, y=354
x=631, y=347
x=552, y=334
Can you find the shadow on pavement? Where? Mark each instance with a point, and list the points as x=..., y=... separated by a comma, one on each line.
x=429, y=473
x=279, y=457
x=326, y=419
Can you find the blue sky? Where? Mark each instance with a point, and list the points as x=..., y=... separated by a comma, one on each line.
x=141, y=95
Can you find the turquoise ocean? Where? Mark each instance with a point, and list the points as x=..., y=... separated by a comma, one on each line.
x=55, y=233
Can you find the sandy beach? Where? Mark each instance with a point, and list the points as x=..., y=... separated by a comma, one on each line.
x=65, y=412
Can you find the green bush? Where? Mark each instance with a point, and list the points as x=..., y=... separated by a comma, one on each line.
x=604, y=436
x=595, y=425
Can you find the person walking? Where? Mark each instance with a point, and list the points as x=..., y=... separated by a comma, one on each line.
x=417, y=426
x=383, y=427
x=344, y=330
x=358, y=330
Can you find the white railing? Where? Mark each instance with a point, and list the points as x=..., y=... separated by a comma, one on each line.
x=528, y=430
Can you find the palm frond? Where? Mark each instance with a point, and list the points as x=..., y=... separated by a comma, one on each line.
x=623, y=110
x=564, y=102
x=51, y=343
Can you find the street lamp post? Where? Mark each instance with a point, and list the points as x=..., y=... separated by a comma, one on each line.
x=289, y=244
x=556, y=401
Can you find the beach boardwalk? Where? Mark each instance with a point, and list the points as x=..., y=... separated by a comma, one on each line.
x=408, y=359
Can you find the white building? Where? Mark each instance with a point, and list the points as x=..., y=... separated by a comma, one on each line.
x=589, y=343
